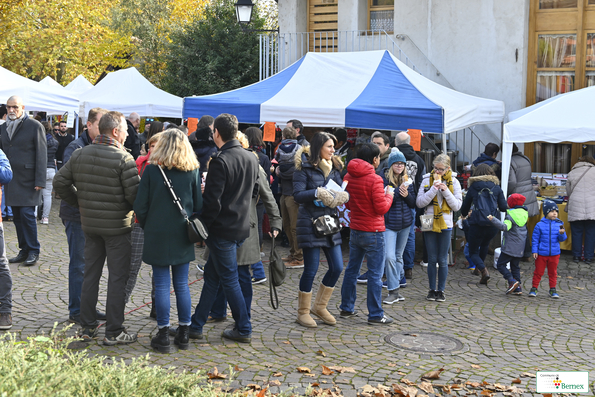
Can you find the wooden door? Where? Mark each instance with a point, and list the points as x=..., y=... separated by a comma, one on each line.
x=323, y=25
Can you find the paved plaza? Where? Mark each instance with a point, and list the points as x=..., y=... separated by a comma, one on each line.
x=479, y=334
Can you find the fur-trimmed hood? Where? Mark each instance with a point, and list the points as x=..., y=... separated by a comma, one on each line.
x=303, y=154
x=483, y=178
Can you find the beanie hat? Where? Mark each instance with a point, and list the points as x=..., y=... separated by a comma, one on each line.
x=396, y=156
x=515, y=200
x=549, y=206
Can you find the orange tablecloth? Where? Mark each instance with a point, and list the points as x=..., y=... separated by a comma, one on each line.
x=565, y=245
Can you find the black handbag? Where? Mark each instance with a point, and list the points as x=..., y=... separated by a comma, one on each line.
x=197, y=231
x=277, y=272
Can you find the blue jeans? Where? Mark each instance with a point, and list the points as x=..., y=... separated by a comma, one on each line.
x=370, y=245
x=258, y=270
x=334, y=257
x=76, y=266
x=437, y=246
x=479, y=242
x=219, y=309
x=395, y=242
x=162, y=296
x=6, y=210
x=222, y=267
x=409, y=253
x=25, y=224
x=578, y=230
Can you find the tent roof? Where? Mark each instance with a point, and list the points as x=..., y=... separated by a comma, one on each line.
x=79, y=85
x=563, y=118
x=36, y=96
x=51, y=82
x=128, y=91
x=367, y=89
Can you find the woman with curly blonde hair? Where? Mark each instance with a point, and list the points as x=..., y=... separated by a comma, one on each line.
x=166, y=237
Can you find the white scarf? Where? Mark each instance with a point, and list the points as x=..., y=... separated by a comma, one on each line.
x=11, y=125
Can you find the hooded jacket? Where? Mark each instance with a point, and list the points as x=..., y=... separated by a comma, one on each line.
x=425, y=197
x=520, y=181
x=492, y=162
x=367, y=201
x=287, y=155
x=475, y=185
x=306, y=180
x=203, y=146
x=515, y=231
x=399, y=215
x=383, y=162
x=581, y=200
x=546, y=237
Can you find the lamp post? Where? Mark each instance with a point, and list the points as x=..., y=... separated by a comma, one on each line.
x=244, y=10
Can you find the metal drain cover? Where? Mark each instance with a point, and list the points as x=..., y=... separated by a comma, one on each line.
x=424, y=342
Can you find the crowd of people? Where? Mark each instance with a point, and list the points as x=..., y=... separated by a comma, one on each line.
x=125, y=199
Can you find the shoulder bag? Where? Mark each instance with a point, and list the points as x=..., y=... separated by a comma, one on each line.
x=197, y=231
x=277, y=272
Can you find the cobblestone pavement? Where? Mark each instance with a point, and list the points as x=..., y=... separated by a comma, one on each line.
x=479, y=333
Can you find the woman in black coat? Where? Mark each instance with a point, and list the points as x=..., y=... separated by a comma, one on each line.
x=315, y=166
x=52, y=147
x=481, y=232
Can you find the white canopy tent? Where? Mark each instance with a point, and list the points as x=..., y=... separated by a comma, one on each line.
x=36, y=96
x=128, y=91
x=79, y=85
x=568, y=118
x=50, y=82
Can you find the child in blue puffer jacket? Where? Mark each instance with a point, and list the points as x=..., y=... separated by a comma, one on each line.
x=547, y=235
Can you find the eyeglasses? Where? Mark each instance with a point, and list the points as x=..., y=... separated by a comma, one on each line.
x=400, y=164
x=440, y=169
x=56, y=129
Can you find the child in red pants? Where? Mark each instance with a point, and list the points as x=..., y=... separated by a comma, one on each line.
x=547, y=235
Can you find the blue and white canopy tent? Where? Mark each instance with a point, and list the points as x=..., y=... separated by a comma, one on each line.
x=368, y=89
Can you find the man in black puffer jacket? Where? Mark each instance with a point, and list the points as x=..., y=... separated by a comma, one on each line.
x=202, y=142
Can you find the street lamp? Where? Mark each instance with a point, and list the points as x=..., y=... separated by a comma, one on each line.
x=244, y=11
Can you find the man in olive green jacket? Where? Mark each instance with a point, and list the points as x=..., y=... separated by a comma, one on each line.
x=102, y=180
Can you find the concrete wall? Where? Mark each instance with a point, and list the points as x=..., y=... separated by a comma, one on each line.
x=353, y=15
x=293, y=16
x=480, y=47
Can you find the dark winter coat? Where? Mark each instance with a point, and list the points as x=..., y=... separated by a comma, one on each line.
x=492, y=162
x=52, y=146
x=367, y=201
x=166, y=233
x=546, y=237
x=399, y=215
x=306, y=180
x=203, y=146
x=67, y=211
x=27, y=153
x=63, y=142
x=286, y=157
x=229, y=188
x=102, y=180
x=520, y=181
x=383, y=162
x=475, y=184
x=132, y=143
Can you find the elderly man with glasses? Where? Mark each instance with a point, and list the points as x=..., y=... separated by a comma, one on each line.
x=24, y=142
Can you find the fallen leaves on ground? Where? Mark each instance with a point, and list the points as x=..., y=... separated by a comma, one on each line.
x=304, y=370
x=391, y=365
x=407, y=382
x=427, y=387
x=516, y=381
x=287, y=342
x=528, y=375
x=342, y=369
x=253, y=386
x=433, y=374
x=237, y=368
x=262, y=392
x=274, y=383
x=321, y=353
x=475, y=366
x=216, y=374
x=326, y=370
x=277, y=374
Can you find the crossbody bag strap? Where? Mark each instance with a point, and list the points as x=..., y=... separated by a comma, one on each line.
x=272, y=288
x=175, y=198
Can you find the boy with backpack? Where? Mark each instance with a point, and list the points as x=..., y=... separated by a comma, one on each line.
x=513, y=245
x=547, y=235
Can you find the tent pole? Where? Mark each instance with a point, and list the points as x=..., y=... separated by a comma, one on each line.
x=76, y=125
x=444, y=143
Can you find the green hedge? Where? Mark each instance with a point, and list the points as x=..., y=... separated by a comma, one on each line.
x=44, y=366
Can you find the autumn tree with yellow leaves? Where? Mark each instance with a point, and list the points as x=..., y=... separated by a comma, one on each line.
x=60, y=39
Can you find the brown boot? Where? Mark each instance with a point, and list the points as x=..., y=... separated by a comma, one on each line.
x=304, y=318
x=485, y=276
x=320, y=303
